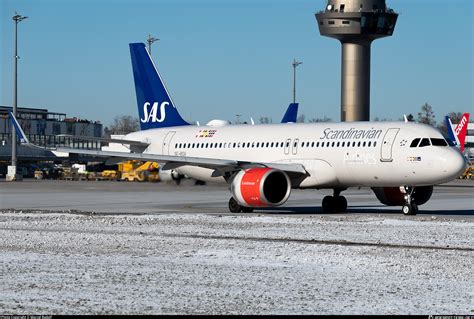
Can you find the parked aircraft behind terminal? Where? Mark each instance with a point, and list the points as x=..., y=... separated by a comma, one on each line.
x=261, y=164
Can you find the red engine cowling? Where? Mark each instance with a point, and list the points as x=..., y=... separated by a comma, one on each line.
x=260, y=187
x=392, y=196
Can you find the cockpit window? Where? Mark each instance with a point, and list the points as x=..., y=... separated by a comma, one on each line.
x=439, y=142
x=415, y=142
x=425, y=142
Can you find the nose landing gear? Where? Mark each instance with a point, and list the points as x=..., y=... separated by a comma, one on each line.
x=410, y=207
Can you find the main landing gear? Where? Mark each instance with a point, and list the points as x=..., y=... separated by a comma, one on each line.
x=410, y=207
x=235, y=207
x=335, y=204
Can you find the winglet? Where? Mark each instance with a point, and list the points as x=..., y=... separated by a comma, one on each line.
x=291, y=114
x=405, y=118
x=19, y=131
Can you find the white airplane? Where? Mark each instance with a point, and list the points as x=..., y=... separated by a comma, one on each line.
x=261, y=164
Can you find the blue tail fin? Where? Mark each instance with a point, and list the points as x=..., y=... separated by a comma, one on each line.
x=452, y=136
x=291, y=114
x=155, y=107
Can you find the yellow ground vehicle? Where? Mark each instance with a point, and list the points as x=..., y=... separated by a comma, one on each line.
x=139, y=171
x=469, y=173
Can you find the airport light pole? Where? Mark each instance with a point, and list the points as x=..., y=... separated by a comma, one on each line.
x=17, y=18
x=295, y=64
x=150, y=41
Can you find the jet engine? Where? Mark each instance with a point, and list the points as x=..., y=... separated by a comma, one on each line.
x=393, y=196
x=170, y=175
x=260, y=187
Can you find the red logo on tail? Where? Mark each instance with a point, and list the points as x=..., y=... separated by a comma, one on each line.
x=461, y=130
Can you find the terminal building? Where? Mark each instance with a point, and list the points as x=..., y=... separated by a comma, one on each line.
x=42, y=128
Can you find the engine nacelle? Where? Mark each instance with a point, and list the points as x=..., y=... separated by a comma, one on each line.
x=260, y=187
x=393, y=196
x=169, y=175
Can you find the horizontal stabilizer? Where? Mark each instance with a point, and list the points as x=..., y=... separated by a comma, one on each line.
x=105, y=140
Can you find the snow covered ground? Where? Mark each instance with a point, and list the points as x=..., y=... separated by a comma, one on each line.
x=65, y=263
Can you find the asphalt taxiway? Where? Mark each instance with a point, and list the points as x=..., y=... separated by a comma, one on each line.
x=454, y=199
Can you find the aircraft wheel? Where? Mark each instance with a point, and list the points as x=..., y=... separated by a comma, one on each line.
x=410, y=209
x=341, y=204
x=328, y=204
x=245, y=209
x=234, y=207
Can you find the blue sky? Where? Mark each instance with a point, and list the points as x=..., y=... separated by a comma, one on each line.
x=225, y=57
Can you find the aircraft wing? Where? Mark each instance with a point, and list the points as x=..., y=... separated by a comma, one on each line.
x=171, y=161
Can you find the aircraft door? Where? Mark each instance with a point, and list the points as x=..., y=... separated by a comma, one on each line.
x=387, y=145
x=294, y=150
x=167, y=142
x=287, y=146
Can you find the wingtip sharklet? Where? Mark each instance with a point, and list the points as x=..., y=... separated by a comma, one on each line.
x=19, y=131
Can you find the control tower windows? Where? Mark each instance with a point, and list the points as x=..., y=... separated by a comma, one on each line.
x=341, y=8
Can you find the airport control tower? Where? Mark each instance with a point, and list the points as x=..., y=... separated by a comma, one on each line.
x=356, y=23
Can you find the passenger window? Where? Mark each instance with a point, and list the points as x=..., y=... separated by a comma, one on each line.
x=425, y=142
x=375, y=144
x=415, y=142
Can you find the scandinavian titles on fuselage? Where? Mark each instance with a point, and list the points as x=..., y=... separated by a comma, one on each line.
x=351, y=133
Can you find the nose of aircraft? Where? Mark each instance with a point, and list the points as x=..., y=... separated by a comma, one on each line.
x=455, y=164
